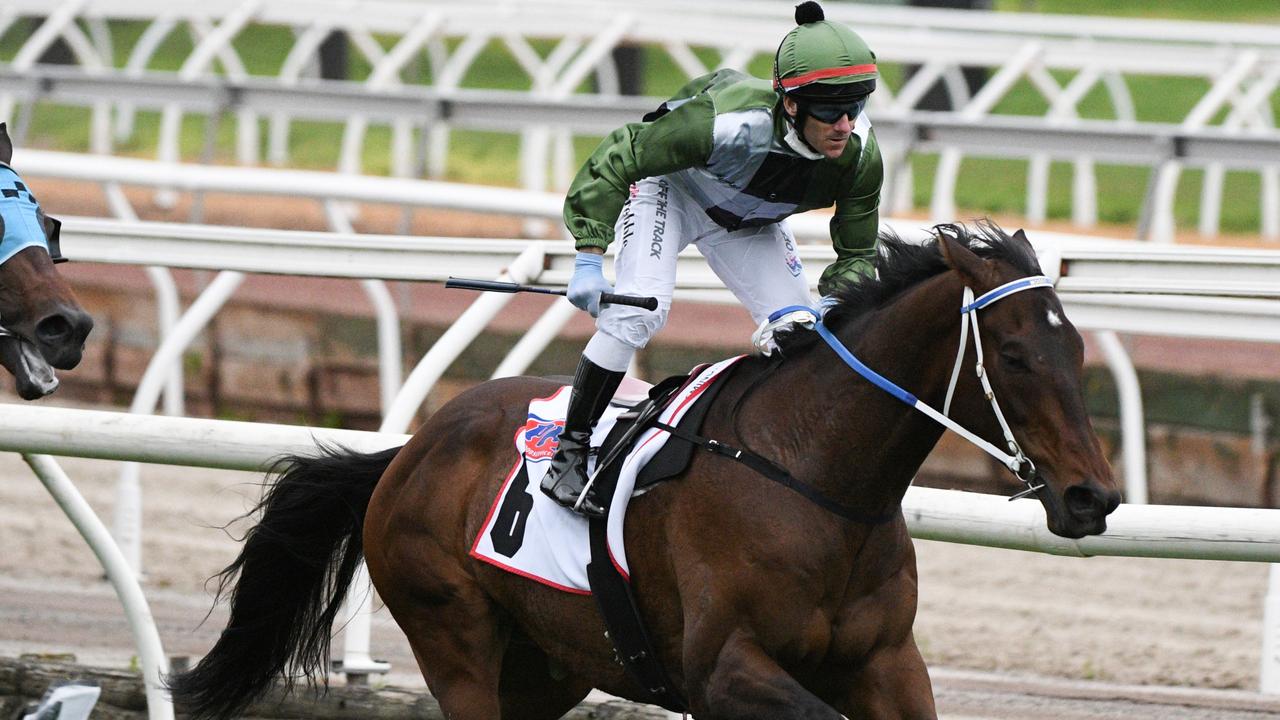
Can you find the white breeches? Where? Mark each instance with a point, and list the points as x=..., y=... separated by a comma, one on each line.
x=759, y=265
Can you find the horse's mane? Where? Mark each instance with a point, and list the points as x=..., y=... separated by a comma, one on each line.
x=900, y=265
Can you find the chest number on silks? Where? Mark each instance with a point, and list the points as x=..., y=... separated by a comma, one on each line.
x=507, y=534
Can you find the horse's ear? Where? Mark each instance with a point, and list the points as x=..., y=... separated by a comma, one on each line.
x=963, y=260
x=6, y=145
x=1020, y=236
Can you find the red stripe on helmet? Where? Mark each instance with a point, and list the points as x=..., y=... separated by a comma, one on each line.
x=825, y=73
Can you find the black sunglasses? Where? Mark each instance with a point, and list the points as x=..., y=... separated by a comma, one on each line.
x=830, y=112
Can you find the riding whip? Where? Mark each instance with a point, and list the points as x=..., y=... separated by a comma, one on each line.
x=648, y=303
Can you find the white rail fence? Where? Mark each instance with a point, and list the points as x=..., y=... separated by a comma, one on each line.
x=177, y=441
x=556, y=45
x=1161, y=146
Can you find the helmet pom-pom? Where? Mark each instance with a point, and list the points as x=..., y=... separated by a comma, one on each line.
x=808, y=12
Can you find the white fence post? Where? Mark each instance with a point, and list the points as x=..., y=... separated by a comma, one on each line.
x=128, y=511
x=120, y=573
x=1133, y=426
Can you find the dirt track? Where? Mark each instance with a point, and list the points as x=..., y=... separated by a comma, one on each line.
x=1138, y=621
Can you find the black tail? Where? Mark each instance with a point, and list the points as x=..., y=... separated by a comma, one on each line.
x=293, y=574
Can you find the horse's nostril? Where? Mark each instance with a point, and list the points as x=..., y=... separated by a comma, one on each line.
x=53, y=329
x=68, y=328
x=1085, y=503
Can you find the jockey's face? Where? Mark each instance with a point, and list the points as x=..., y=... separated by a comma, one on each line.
x=830, y=139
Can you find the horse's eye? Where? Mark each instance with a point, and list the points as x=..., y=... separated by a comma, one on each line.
x=1014, y=361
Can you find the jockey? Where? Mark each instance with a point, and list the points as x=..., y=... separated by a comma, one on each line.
x=720, y=165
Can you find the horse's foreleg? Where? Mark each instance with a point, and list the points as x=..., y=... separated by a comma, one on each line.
x=743, y=682
x=893, y=683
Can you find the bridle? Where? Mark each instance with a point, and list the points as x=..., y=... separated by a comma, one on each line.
x=1015, y=460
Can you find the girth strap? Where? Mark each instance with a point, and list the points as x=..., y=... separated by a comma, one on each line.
x=778, y=474
x=633, y=648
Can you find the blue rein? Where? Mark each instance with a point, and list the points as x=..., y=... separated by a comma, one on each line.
x=861, y=368
x=849, y=358
x=1018, y=463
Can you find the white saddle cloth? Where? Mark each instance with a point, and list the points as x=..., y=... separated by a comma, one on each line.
x=528, y=533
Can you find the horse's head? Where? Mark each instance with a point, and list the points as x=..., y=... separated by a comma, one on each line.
x=42, y=325
x=1034, y=358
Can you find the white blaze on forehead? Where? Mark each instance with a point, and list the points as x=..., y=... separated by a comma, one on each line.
x=1055, y=320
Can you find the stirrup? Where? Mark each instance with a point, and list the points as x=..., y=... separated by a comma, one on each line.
x=575, y=499
x=567, y=488
x=587, y=505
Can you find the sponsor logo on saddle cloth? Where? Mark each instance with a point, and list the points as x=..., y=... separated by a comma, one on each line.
x=541, y=437
x=527, y=533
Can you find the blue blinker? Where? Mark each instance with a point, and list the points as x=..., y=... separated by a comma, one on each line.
x=20, y=216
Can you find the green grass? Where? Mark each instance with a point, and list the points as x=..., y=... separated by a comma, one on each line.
x=986, y=185
x=998, y=186
x=1227, y=11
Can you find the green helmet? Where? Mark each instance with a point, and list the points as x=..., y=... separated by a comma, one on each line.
x=822, y=59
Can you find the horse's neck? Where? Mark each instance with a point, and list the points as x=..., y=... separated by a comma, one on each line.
x=856, y=442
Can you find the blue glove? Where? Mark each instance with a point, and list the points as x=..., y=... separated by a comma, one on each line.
x=588, y=282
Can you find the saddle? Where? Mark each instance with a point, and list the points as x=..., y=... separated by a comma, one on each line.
x=672, y=459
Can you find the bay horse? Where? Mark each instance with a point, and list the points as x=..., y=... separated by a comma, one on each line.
x=42, y=325
x=761, y=603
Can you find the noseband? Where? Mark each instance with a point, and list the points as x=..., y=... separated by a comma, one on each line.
x=1015, y=460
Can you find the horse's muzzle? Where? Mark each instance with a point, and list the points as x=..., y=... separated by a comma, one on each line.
x=1086, y=508
x=61, y=336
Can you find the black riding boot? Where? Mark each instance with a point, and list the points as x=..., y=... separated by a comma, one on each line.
x=593, y=388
